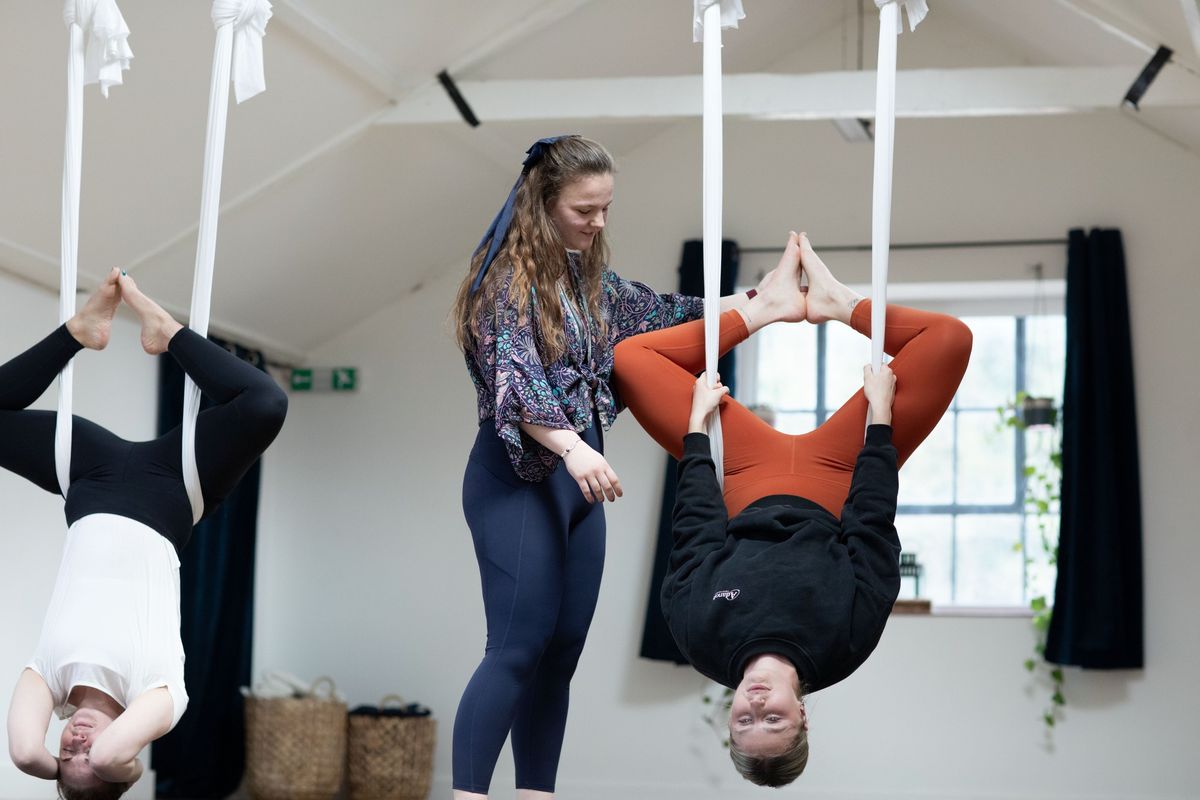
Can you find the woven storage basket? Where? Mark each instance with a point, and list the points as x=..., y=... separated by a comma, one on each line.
x=391, y=758
x=295, y=746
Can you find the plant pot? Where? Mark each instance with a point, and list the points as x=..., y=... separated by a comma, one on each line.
x=1037, y=411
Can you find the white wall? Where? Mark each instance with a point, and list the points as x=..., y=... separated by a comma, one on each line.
x=366, y=570
x=116, y=388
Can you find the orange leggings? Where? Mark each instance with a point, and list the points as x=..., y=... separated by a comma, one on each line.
x=655, y=373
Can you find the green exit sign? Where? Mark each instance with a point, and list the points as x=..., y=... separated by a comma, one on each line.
x=324, y=379
x=302, y=380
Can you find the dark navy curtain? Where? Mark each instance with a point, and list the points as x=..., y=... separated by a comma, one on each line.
x=204, y=757
x=1097, y=620
x=656, y=638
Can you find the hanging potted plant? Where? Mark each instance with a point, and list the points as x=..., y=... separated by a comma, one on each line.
x=1038, y=411
x=1043, y=492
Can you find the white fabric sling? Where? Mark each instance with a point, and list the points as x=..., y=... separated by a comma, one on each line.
x=890, y=27
x=709, y=17
x=241, y=25
x=98, y=53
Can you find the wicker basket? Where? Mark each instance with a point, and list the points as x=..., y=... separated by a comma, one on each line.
x=296, y=746
x=391, y=757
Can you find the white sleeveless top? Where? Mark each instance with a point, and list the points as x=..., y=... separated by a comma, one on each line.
x=113, y=621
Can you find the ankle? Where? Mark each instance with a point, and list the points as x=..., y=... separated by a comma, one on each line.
x=759, y=312
x=87, y=333
x=848, y=304
x=76, y=329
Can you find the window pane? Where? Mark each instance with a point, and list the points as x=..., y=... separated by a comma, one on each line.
x=990, y=378
x=787, y=367
x=846, y=352
x=795, y=422
x=927, y=478
x=1045, y=356
x=989, y=567
x=968, y=461
x=928, y=537
x=986, y=459
x=1041, y=542
x=1040, y=445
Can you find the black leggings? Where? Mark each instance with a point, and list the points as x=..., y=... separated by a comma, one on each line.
x=141, y=480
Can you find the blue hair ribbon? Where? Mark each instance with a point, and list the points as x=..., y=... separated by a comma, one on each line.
x=499, y=227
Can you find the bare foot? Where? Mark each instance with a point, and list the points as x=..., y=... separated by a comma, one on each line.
x=828, y=298
x=158, y=327
x=92, y=325
x=780, y=291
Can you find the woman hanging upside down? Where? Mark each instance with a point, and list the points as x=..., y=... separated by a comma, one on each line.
x=110, y=659
x=781, y=584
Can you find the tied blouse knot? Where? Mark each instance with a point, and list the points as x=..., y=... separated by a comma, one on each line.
x=514, y=385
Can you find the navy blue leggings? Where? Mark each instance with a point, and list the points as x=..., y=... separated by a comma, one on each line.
x=540, y=548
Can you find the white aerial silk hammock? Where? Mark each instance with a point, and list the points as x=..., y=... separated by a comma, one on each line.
x=241, y=25
x=709, y=17
x=890, y=28
x=98, y=53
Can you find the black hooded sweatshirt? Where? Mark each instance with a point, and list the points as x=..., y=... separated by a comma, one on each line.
x=784, y=576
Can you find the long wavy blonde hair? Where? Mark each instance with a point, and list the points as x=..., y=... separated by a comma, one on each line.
x=534, y=252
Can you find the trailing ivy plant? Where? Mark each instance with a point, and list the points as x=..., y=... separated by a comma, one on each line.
x=1043, y=492
x=718, y=700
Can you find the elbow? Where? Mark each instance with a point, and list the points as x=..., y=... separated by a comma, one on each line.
x=27, y=757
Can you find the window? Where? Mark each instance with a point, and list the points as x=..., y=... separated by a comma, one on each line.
x=962, y=494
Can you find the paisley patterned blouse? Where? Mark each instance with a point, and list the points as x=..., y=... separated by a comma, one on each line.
x=513, y=384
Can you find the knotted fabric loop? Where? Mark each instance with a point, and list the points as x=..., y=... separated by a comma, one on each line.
x=105, y=35
x=249, y=20
x=916, y=10
x=731, y=12
x=503, y=219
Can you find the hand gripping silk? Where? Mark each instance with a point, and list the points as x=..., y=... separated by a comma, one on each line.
x=241, y=25
x=710, y=18
x=890, y=27
x=98, y=52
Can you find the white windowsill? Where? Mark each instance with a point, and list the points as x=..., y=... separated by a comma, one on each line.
x=981, y=611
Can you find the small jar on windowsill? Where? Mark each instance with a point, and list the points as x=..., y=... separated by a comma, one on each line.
x=910, y=601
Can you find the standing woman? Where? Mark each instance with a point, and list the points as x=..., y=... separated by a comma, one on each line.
x=537, y=317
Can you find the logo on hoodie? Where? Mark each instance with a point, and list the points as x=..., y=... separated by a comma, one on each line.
x=727, y=594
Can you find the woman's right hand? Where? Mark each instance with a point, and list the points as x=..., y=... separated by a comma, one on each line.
x=591, y=471
x=705, y=401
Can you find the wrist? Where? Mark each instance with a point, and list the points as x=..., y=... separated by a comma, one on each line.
x=566, y=451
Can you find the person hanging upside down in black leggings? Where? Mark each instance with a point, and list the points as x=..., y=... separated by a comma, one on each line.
x=110, y=658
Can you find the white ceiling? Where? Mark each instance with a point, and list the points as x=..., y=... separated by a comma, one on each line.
x=329, y=216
